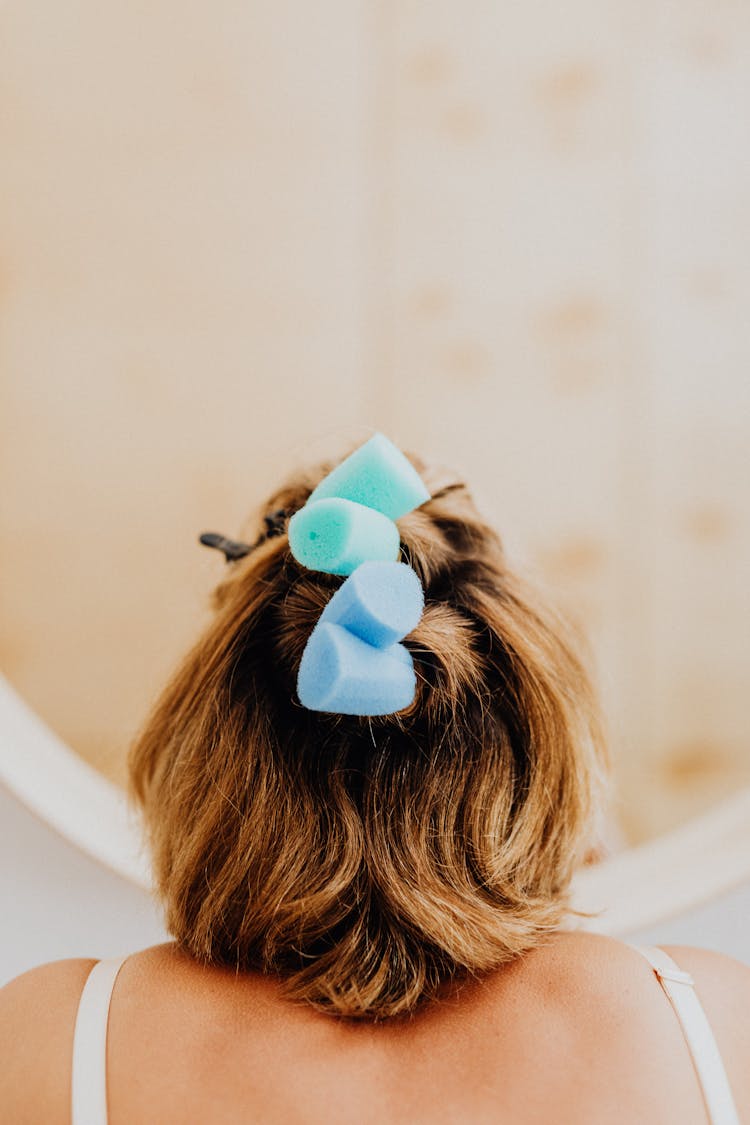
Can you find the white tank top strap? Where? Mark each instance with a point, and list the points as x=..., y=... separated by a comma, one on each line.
x=89, y=1078
x=680, y=988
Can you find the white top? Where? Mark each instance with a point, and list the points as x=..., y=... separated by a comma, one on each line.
x=89, y=1083
x=680, y=988
x=89, y=1079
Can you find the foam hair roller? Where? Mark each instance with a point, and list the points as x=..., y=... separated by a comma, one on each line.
x=354, y=662
x=380, y=603
x=377, y=475
x=337, y=535
x=341, y=673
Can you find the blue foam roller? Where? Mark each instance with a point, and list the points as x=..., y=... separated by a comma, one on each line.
x=341, y=673
x=377, y=475
x=336, y=535
x=380, y=603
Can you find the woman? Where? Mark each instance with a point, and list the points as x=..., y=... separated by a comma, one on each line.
x=369, y=901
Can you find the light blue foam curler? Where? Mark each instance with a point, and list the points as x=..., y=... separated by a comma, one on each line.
x=380, y=603
x=377, y=475
x=341, y=673
x=353, y=662
x=337, y=535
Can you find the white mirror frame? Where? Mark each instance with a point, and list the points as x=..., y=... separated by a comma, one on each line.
x=634, y=890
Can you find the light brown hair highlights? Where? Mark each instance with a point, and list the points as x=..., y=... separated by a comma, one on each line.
x=367, y=861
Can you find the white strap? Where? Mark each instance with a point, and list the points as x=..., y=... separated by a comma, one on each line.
x=89, y=1080
x=680, y=988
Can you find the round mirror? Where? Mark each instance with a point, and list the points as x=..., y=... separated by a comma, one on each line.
x=235, y=244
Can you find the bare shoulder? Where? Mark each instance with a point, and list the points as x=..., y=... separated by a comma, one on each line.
x=595, y=961
x=609, y=979
x=576, y=947
x=590, y=979
x=719, y=970
x=37, y=1018
x=40, y=996
x=721, y=981
x=722, y=984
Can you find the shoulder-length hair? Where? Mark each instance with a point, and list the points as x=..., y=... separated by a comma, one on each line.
x=367, y=861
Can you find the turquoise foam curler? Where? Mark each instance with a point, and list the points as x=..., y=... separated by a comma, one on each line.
x=336, y=535
x=377, y=475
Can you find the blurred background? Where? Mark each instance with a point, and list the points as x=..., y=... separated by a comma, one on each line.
x=515, y=238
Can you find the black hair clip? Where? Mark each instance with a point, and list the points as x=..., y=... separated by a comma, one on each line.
x=233, y=550
x=275, y=523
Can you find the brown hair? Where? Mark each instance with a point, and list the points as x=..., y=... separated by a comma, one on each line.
x=368, y=861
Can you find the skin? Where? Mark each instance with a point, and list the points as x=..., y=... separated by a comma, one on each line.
x=578, y=1030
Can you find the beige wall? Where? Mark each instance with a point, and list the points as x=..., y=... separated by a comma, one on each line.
x=515, y=238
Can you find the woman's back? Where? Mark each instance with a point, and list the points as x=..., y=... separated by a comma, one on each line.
x=578, y=1030
x=342, y=824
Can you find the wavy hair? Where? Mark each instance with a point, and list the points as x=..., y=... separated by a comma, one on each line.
x=367, y=861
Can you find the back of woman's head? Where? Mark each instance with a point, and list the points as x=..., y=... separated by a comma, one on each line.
x=366, y=861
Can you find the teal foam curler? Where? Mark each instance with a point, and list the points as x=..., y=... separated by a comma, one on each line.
x=377, y=475
x=337, y=535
